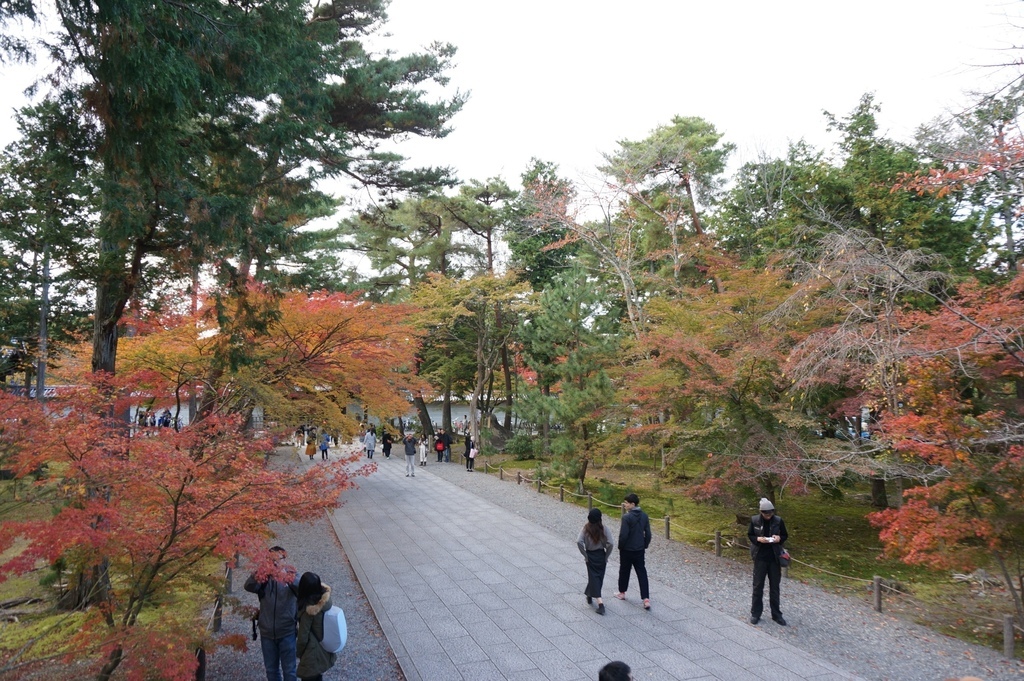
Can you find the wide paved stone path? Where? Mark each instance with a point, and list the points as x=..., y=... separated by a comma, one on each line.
x=464, y=589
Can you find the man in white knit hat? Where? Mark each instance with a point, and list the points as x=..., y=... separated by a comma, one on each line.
x=767, y=533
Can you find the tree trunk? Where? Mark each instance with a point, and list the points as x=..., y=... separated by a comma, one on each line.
x=446, y=406
x=111, y=665
x=545, y=425
x=1010, y=586
x=879, y=497
x=584, y=464
x=698, y=229
x=421, y=409
x=507, y=370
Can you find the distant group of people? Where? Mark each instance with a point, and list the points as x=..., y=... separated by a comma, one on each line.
x=155, y=419
x=290, y=623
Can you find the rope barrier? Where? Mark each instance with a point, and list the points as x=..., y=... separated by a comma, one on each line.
x=829, y=572
x=692, y=531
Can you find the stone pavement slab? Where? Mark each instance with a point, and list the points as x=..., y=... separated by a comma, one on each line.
x=466, y=590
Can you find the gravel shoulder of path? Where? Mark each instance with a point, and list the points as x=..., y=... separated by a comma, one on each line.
x=844, y=631
x=311, y=547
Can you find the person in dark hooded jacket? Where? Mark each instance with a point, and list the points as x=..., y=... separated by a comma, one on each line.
x=314, y=600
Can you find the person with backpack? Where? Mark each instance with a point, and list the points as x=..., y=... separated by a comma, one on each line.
x=439, y=446
x=767, y=533
x=314, y=600
x=276, y=620
x=324, y=444
x=446, y=438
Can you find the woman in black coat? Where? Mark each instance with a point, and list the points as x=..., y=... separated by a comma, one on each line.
x=595, y=543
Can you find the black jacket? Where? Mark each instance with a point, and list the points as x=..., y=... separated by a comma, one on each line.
x=759, y=528
x=277, y=606
x=635, y=531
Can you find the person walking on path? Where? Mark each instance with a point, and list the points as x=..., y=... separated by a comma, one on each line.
x=423, y=450
x=277, y=617
x=324, y=444
x=310, y=447
x=439, y=446
x=446, y=438
x=634, y=538
x=410, y=455
x=369, y=442
x=385, y=444
x=767, y=533
x=596, y=544
x=469, y=447
x=471, y=461
x=313, y=601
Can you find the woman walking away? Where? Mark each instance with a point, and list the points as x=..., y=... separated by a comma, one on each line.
x=369, y=442
x=314, y=599
x=310, y=447
x=595, y=543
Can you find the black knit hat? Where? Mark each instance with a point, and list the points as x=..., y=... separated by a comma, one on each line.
x=594, y=516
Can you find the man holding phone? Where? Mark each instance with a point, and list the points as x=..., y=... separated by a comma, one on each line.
x=767, y=533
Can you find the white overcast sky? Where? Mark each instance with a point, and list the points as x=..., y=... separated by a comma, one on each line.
x=564, y=80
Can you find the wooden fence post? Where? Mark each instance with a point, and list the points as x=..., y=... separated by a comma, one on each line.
x=501, y=473
x=519, y=477
x=877, y=581
x=718, y=543
x=561, y=492
x=218, y=612
x=668, y=528
x=1008, y=636
x=590, y=501
x=539, y=483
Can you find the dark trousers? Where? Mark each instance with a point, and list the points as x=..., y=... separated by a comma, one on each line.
x=633, y=560
x=771, y=570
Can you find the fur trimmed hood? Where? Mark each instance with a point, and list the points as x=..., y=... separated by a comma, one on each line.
x=314, y=609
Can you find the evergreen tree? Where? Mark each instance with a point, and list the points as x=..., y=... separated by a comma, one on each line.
x=567, y=343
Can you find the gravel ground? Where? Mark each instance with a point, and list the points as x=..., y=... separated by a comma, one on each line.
x=844, y=631
x=367, y=655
